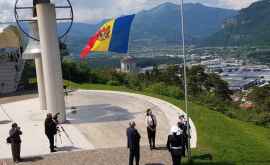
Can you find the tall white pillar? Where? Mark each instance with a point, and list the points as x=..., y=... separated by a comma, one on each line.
x=40, y=82
x=51, y=59
x=39, y=72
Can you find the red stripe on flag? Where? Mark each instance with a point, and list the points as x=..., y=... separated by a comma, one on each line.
x=89, y=46
x=91, y=43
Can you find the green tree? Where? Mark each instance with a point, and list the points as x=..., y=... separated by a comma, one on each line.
x=196, y=79
x=218, y=86
x=260, y=96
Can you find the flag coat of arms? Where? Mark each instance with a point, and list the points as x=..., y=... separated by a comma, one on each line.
x=112, y=36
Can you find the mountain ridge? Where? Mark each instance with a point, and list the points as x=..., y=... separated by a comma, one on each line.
x=161, y=24
x=249, y=27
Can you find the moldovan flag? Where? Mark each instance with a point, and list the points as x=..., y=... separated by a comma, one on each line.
x=112, y=36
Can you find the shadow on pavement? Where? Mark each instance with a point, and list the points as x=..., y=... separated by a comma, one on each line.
x=32, y=159
x=161, y=148
x=67, y=148
x=5, y=122
x=99, y=113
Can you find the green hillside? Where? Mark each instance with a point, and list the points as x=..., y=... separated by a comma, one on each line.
x=228, y=141
x=249, y=27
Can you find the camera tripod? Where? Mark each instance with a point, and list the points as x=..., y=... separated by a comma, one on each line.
x=61, y=129
x=4, y=111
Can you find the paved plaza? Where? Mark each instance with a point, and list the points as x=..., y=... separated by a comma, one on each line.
x=97, y=121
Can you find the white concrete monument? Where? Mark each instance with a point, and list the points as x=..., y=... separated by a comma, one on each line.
x=50, y=51
x=44, y=48
x=33, y=51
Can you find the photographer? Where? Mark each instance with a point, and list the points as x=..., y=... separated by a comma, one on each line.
x=51, y=129
x=15, y=140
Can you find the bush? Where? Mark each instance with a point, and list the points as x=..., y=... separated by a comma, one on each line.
x=113, y=83
x=133, y=82
x=230, y=114
x=157, y=88
x=163, y=89
x=99, y=77
x=175, y=92
x=264, y=120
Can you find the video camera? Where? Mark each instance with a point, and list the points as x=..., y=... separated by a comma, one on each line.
x=55, y=117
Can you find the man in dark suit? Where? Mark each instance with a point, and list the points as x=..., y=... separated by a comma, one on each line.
x=133, y=143
x=15, y=141
x=50, y=130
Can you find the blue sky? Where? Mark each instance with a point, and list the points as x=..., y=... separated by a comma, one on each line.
x=91, y=11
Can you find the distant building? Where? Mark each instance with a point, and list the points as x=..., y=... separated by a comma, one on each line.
x=239, y=84
x=128, y=64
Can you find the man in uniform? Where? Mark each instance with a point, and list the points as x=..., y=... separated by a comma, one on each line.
x=50, y=130
x=133, y=143
x=151, y=125
x=175, y=145
x=15, y=140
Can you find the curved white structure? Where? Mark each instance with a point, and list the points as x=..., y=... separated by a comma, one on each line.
x=50, y=54
x=11, y=62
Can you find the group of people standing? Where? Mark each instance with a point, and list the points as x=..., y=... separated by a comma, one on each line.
x=15, y=132
x=177, y=142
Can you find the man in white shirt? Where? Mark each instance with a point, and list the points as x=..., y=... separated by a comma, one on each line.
x=151, y=124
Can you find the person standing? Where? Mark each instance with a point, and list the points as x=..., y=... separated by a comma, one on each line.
x=182, y=124
x=151, y=126
x=15, y=140
x=175, y=144
x=50, y=130
x=133, y=143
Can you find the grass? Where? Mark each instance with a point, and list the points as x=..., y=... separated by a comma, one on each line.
x=228, y=141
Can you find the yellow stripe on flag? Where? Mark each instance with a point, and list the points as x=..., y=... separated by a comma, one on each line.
x=104, y=37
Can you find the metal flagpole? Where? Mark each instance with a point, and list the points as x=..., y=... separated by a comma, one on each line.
x=185, y=75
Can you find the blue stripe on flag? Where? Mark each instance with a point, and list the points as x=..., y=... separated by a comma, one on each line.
x=120, y=34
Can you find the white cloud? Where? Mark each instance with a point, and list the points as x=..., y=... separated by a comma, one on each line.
x=234, y=4
x=6, y=12
x=95, y=10
x=92, y=10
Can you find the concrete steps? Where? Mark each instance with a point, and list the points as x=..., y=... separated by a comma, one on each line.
x=111, y=156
